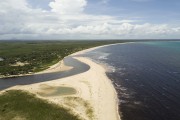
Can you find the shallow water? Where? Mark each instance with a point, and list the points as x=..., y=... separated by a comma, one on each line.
x=146, y=76
x=52, y=91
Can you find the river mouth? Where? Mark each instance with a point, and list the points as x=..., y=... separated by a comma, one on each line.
x=77, y=68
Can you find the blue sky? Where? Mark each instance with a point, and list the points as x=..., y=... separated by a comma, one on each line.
x=89, y=19
x=154, y=11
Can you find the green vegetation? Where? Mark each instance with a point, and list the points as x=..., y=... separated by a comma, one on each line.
x=36, y=56
x=16, y=104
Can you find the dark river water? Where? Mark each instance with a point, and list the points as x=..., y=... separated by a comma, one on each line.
x=146, y=76
x=78, y=67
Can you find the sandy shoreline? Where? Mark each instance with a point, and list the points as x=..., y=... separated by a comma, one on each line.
x=93, y=87
x=93, y=48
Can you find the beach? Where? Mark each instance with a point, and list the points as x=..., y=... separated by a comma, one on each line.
x=94, y=91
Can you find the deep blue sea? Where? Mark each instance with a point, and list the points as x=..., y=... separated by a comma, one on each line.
x=146, y=76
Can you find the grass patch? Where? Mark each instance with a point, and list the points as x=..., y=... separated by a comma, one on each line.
x=16, y=104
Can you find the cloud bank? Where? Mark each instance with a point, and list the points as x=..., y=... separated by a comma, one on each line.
x=67, y=19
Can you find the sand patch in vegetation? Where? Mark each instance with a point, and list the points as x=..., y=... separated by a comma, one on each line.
x=19, y=64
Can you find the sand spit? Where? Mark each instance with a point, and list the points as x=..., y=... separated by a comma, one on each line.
x=60, y=66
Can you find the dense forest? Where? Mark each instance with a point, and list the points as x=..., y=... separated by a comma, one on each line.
x=23, y=57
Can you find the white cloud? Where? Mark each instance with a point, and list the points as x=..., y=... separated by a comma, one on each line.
x=68, y=6
x=68, y=20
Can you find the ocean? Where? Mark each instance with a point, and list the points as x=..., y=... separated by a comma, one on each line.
x=146, y=76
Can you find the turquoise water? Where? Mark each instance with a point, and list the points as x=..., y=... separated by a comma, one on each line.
x=168, y=45
x=146, y=76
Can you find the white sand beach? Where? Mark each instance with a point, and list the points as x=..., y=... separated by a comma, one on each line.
x=94, y=91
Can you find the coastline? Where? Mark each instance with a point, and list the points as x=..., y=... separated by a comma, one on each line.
x=93, y=48
x=95, y=88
